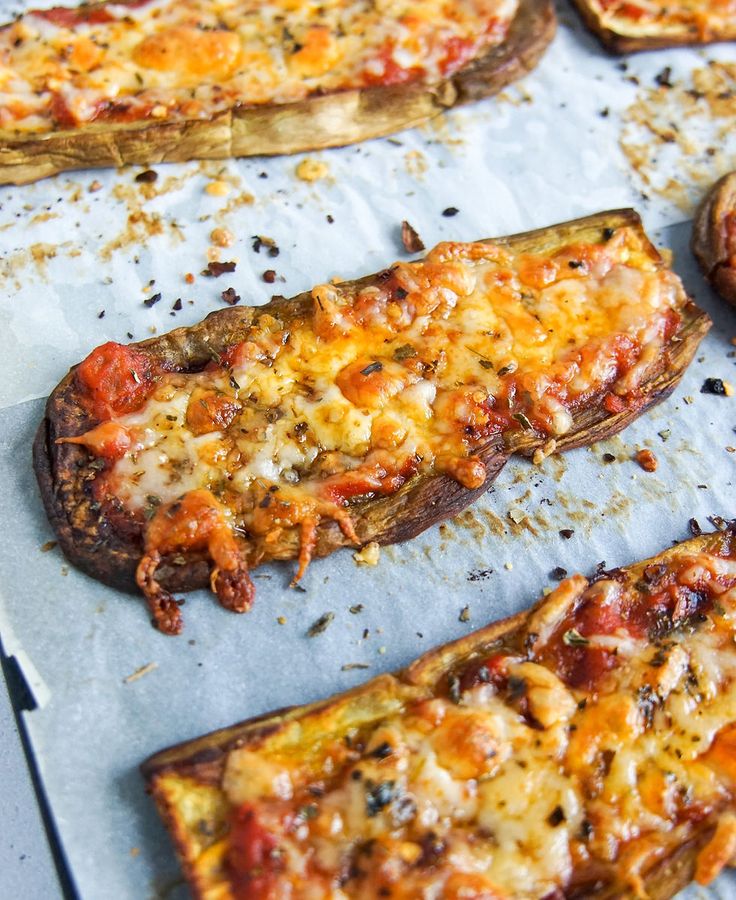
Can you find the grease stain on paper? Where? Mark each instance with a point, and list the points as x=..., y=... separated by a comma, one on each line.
x=684, y=127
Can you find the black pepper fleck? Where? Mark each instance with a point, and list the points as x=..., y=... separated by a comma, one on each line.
x=713, y=386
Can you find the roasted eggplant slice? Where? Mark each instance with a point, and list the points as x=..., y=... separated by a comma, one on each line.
x=584, y=748
x=626, y=27
x=359, y=412
x=714, y=237
x=183, y=107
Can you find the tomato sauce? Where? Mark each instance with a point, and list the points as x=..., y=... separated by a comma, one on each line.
x=115, y=380
x=253, y=858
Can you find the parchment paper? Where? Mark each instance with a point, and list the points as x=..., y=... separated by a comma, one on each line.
x=516, y=167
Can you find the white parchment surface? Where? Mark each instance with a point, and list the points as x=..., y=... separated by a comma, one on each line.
x=79, y=254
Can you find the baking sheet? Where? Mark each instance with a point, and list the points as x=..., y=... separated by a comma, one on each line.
x=515, y=167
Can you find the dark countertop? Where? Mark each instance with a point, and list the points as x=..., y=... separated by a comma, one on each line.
x=27, y=867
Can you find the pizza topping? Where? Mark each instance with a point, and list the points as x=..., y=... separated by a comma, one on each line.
x=702, y=20
x=516, y=782
x=197, y=522
x=192, y=59
x=209, y=411
x=115, y=380
x=254, y=856
x=428, y=369
x=108, y=441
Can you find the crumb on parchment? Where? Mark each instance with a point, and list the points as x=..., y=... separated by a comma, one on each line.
x=140, y=672
x=312, y=170
x=647, y=460
x=368, y=555
x=218, y=188
x=222, y=237
x=410, y=238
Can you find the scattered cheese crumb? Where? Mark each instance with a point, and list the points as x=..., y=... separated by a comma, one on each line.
x=218, y=189
x=381, y=650
x=222, y=237
x=189, y=278
x=312, y=170
x=517, y=515
x=95, y=186
x=281, y=620
x=415, y=163
x=728, y=389
x=541, y=453
x=368, y=555
x=508, y=566
x=139, y=673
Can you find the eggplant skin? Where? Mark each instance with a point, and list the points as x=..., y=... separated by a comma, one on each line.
x=184, y=780
x=713, y=248
x=628, y=41
x=103, y=551
x=318, y=122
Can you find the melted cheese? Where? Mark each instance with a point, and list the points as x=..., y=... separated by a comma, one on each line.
x=413, y=376
x=527, y=788
x=702, y=20
x=165, y=59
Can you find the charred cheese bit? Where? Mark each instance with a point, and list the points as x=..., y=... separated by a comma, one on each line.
x=192, y=59
x=504, y=780
x=197, y=522
x=428, y=369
